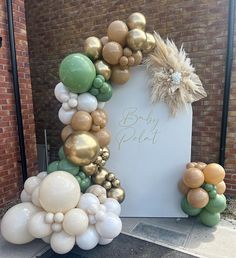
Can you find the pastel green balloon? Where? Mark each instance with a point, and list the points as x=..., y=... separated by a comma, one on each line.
x=61, y=153
x=84, y=181
x=53, y=166
x=188, y=209
x=209, y=219
x=77, y=72
x=66, y=165
x=217, y=204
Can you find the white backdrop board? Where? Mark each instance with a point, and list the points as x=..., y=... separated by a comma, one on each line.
x=149, y=149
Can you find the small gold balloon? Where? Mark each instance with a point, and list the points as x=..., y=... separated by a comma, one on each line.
x=116, y=183
x=81, y=148
x=136, y=21
x=138, y=56
x=149, y=44
x=93, y=48
x=105, y=155
x=136, y=39
x=103, y=68
x=110, y=177
x=117, y=193
x=100, y=176
x=98, y=160
x=107, y=185
x=90, y=169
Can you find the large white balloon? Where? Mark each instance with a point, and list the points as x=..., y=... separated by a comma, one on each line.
x=113, y=206
x=38, y=227
x=25, y=197
x=60, y=91
x=35, y=197
x=66, y=116
x=86, y=200
x=87, y=102
x=110, y=227
x=104, y=241
x=59, y=192
x=75, y=222
x=42, y=175
x=61, y=242
x=14, y=223
x=89, y=239
x=31, y=183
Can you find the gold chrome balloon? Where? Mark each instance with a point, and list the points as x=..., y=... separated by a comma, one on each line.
x=116, y=183
x=149, y=44
x=107, y=185
x=110, y=177
x=100, y=177
x=81, y=148
x=136, y=21
x=93, y=48
x=116, y=193
x=103, y=68
x=136, y=39
x=138, y=56
x=90, y=169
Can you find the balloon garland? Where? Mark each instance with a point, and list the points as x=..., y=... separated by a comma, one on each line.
x=203, y=188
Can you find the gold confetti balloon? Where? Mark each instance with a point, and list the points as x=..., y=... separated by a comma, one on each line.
x=136, y=21
x=93, y=48
x=136, y=39
x=117, y=193
x=100, y=177
x=103, y=68
x=149, y=44
x=81, y=148
x=90, y=169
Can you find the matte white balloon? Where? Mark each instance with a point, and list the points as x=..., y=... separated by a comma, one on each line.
x=35, y=197
x=104, y=241
x=66, y=116
x=59, y=192
x=56, y=227
x=66, y=106
x=86, y=200
x=59, y=90
x=73, y=103
x=110, y=227
x=61, y=242
x=101, y=104
x=31, y=183
x=113, y=206
x=38, y=227
x=14, y=223
x=25, y=197
x=49, y=218
x=73, y=95
x=87, y=102
x=64, y=97
x=75, y=222
x=59, y=217
x=89, y=239
x=42, y=175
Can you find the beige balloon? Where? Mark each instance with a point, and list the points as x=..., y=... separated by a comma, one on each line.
x=104, y=40
x=117, y=31
x=136, y=39
x=120, y=76
x=112, y=52
x=35, y=197
x=183, y=188
x=198, y=198
x=193, y=177
x=93, y=47
x=81, y=121
x=221, y=187
x=75, y=222
x=31, y=183
x=59, y=192
x=103, y=137
x=66, y=131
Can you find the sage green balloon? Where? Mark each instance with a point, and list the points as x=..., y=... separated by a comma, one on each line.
x=66, y=165
x=61, y=153
x=188, y=209
x=217, y=204
x=53, y=166
x=209, y=219
x=77, y=72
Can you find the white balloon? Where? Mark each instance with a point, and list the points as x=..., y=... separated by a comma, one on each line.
x=61, y=242
x=75, y=222
x=66, y=116
x=73, y=95
x=25, y=197
x=86, y=200
x=100, y=215
x=73, y=103
x=66, y=106
x=47, y=239
x=56, y=227
x=38, y=227
x=58, y=217
x=35, y=197
x=60, y=89
x=87, y=102
x=101, y=104
x=14, y=223
x=59, y=192
x=92, y=219
x=113, y=206
x=31, y=183
x=49, y=218
x=104, y=241
x=64, y=97
x=89, y=239
x=42, y=175
x=110, y=227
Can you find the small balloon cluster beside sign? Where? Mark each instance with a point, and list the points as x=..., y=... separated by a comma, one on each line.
x=203, y=188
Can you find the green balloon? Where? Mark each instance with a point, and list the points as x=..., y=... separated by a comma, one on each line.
x=66, y=165
x=209, y=219
x=61, y=153
x=217, y=204
x=77, y=72
x=84, y=181
x=208, y=187
x=188, y=209
x=212, y=194
x=53, y=166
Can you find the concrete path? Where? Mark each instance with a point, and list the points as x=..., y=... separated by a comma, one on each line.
x=187, y=235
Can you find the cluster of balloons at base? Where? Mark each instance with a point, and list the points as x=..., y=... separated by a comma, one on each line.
x=54, y=209
x=203, y=188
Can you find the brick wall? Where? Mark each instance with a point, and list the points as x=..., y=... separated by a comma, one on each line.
x=10, y=170
x=58, y=28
